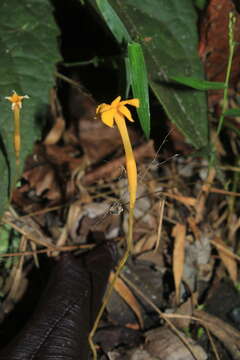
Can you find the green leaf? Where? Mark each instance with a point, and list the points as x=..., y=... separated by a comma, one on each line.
x=232, y=112
x=139, y=82
x=167, y=31
x=113, y=21
x=200, y=4
x=28, y=53
x=127, y=76
x=198, y=84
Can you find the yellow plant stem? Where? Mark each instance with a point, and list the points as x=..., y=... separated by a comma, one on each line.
x=130, y=161
x=17, y=137
x=132, y=185
x=16, y=101
x=109, y=291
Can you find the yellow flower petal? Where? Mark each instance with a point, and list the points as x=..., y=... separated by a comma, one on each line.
x=108, y=117
x=133, y=102
x=125, y=112
x=102, y=107
x=116, y=110
x=116, y=101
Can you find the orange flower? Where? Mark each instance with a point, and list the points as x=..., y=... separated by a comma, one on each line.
x=117, y=111
x=16, y=100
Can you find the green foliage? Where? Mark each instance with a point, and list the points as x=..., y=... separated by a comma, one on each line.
x=139, y=83
x=9, y=243
x=200, y=4
x=197, y=84
x=200, y=332
x=113, y=21
x=232, y=112
x=237, y=286
x=28, y=53
x=168, y=34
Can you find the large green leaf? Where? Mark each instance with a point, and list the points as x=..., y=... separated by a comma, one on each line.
x=113, y=21
x=167, y=31
x=139, y=82
x=28, y=53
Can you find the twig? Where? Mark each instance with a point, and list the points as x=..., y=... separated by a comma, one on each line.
x=44, y=251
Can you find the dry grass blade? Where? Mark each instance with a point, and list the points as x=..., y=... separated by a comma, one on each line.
x=212, y=344
x=27, y=228
x=229, y=262
x=179, y=232
x=122, y=289
x=50, y=252
x=35, y=257
x=223, y=192
x=225, y=249
x=16, y=284
x=161, y=211
x=186, y=200
x=200, y=204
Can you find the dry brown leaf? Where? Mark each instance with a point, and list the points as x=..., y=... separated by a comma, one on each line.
x=133, y=326
x=165, y=342
x=229, y=262
x=179, y=232
x=185, y=309
x=146, y=243
x=228, y=335
x=122, y=289
x=56, y=132
x=43, y=180
x=58, y=128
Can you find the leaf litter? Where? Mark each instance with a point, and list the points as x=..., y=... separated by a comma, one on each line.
x=64, y=202
x=69, y=193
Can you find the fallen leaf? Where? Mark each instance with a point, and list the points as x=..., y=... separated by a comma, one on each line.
x=179, y=232
x=165, y=342
x=58, y=128
x=146, y=243
x=229, y=262
x=122, y=289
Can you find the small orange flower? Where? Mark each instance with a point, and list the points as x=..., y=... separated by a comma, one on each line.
x=16, y=100
x=116, y=110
